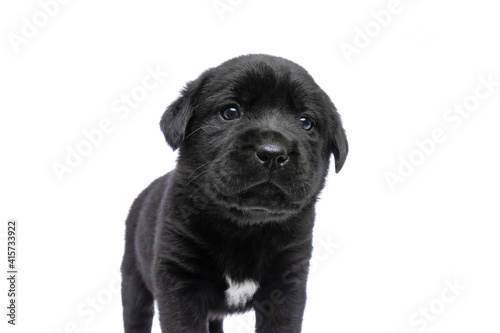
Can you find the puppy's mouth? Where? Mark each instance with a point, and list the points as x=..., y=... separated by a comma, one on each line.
x=264, y=201
x=263, y=197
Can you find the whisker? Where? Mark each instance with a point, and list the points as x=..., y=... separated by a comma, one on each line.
x=200, y=174
x=314, y=188
x=202, y=127
x=201, y=166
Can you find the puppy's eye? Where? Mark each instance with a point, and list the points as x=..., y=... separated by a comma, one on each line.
x=306, y=123
x=230, y=114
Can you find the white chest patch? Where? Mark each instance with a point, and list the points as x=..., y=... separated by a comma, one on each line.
x=239, y=293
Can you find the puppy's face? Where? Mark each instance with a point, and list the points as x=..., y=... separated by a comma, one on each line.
x=255, y=135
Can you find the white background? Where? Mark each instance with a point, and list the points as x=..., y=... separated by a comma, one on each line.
x=382, y=254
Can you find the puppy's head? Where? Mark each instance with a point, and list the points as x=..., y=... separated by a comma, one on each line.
x=255, y=136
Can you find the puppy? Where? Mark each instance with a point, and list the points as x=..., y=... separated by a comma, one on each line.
x=230, y=228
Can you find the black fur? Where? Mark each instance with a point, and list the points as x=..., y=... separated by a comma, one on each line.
x=240, y=202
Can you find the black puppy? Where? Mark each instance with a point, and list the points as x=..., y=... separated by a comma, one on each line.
x=230, y=228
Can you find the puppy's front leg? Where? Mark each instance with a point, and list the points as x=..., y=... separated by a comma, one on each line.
x=279, y=305
x=181, y=305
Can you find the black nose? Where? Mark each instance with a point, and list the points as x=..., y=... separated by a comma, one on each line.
x=272, y=154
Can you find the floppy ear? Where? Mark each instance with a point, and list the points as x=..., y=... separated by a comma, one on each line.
x=337, y=138
x=175, y=119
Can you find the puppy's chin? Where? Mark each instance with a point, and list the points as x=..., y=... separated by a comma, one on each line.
x=260, y=203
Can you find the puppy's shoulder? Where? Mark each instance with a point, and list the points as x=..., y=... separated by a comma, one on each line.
x=151, y=195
